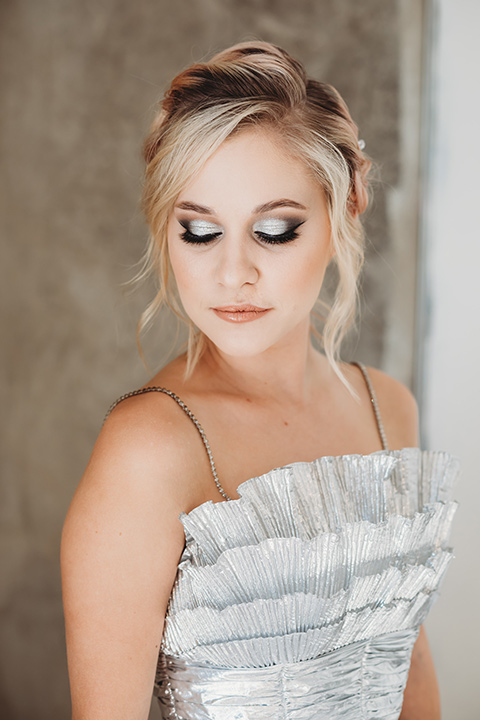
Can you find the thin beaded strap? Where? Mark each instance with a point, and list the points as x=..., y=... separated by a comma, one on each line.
x=374, y=401
x=188, y=412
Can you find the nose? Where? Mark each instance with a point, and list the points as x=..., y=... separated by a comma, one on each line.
x=236, y=263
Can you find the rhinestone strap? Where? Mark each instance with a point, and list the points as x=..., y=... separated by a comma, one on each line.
x=192, y=417
x=374, y=401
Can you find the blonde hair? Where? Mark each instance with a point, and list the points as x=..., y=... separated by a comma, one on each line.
x=256, y=84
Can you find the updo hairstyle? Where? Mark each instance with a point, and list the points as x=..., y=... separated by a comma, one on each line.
x=256, y=85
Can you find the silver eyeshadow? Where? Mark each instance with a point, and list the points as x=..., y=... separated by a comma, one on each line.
x=202, y=227
x=272, y=226
x=268, y=226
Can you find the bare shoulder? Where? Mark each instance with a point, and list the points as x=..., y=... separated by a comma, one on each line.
x=121, y=543
x=143, y=472
x=398, y=409
x=129, y=486
x=149, y=444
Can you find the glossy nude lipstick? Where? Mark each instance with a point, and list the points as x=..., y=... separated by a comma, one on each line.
x=240, y=313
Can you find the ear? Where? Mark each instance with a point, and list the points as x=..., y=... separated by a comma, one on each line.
x=359, y=194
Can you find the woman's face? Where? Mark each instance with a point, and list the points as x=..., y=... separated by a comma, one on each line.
x=249, y=242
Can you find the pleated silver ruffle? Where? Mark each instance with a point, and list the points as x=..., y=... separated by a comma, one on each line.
x=303, y=598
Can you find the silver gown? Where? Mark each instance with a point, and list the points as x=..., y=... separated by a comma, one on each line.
x=302, y=599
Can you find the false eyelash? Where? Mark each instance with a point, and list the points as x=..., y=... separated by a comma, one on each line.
x=285, y=237
x=278, y=239
x=193, y=239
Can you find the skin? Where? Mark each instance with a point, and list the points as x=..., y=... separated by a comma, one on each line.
x=265, y=398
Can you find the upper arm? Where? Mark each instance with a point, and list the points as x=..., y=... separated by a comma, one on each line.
x=398, y=410
x=120, y=547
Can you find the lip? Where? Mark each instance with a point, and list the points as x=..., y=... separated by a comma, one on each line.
x=240, y=313
x=244, y=307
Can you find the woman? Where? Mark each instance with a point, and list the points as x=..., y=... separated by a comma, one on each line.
x=293, y=592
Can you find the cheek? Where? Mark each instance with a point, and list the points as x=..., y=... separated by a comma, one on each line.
x=187, y=269
x=181, y=280
x=302, y=280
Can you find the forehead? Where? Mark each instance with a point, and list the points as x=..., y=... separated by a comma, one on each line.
x=252, y=167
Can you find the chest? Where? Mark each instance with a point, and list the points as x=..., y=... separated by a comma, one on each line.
x=248, y=441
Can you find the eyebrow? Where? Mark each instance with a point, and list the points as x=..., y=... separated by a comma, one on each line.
x=272, y=205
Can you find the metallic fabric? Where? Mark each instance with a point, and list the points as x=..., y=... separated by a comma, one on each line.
x=303, y=598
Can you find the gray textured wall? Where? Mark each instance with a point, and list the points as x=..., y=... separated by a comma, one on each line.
x=77, y=83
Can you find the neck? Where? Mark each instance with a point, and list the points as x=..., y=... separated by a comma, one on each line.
x=287, y=371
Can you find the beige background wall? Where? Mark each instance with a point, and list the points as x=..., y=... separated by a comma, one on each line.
x=77, y=83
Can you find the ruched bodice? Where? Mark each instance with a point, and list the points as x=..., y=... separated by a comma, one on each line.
x=303, y=598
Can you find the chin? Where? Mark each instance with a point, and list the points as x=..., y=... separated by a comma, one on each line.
x=244, y=345
x=242, y=348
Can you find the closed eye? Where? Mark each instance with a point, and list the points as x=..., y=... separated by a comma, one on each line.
x=198, y=239
x=198, y=232
x=273, y=231
x=276, y=231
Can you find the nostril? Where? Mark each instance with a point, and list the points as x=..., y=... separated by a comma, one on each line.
x=236, y=269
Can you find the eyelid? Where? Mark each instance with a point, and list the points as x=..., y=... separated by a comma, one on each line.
x=276, y=226
x=201, y=227
x=272, y=226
